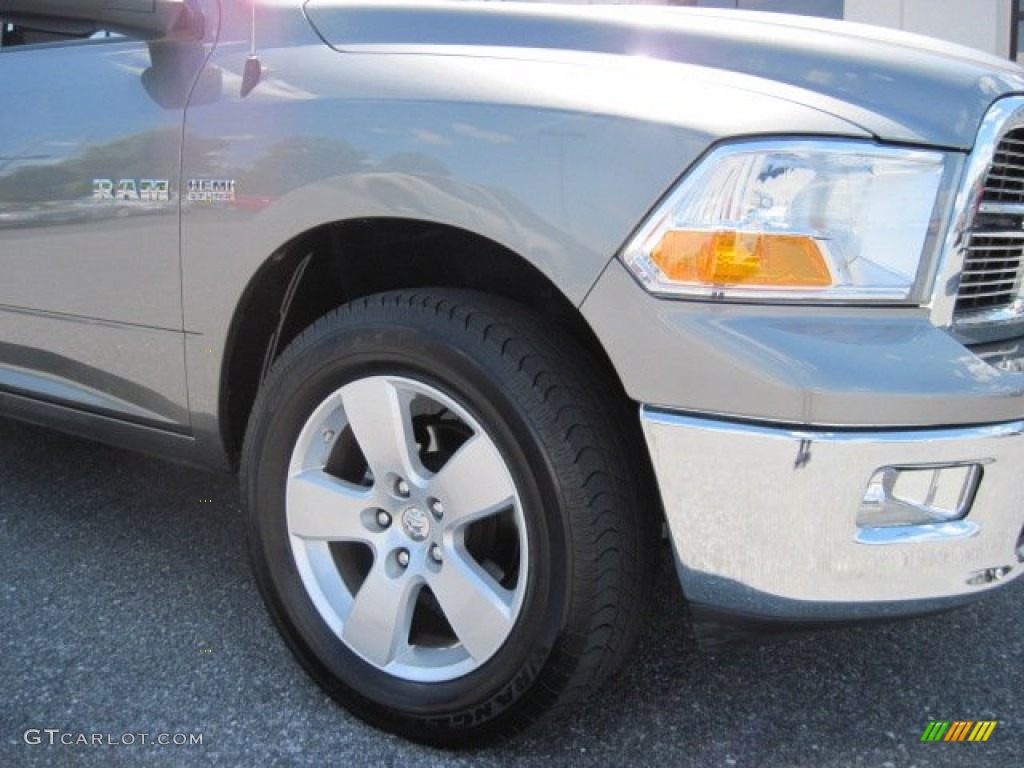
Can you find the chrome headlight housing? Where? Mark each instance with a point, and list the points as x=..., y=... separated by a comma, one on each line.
x=832, y=221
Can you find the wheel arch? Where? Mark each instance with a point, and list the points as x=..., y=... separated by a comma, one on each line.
x=340, y=261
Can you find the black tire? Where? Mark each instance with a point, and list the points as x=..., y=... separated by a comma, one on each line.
x=566, y=562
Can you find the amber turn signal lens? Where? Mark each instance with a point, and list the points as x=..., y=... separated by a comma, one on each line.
x=741, y=258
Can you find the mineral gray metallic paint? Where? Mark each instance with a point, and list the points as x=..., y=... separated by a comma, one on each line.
x=523, y=125
x=898, y=86
x=556, y=160
x=91, y=295
x=835, y=366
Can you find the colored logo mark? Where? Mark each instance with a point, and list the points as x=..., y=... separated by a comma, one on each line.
x=959, y=730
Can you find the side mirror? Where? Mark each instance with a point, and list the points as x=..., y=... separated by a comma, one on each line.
x=171, y=80
x=146, y=19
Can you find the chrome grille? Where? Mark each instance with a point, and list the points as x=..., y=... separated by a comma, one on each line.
x=993, y=266
x=992, y=270
x=1005, y=180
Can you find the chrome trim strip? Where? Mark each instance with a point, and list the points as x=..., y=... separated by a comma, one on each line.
x=825, y=434
x=986, y=318
x=916, y=534
x=1016, y=209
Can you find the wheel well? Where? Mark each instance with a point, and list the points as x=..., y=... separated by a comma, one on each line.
x=342, y=261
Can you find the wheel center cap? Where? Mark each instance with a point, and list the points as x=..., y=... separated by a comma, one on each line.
x=416, y=523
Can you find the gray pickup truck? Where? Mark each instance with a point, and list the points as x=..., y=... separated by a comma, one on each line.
x=481, y=298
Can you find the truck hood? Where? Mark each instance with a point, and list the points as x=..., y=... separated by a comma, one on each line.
x=896, y=86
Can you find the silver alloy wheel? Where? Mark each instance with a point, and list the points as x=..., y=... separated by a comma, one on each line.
x=420, y=571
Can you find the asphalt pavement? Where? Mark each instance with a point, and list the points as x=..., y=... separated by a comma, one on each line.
x=129, y=616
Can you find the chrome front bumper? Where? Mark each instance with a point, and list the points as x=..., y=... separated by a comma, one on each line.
x=764, y=520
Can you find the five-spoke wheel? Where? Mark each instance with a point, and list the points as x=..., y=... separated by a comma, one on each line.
x=406, y=528
x=445, y=520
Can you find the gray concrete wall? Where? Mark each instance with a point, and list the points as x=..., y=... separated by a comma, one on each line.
x=982, y=24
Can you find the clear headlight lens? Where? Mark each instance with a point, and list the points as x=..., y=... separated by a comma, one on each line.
x=829, y=221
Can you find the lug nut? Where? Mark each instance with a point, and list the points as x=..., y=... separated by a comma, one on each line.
x=435, y=554
x=383, y=519
x=437, y=509
x=402, y=557
x=402, y=489
x=328, y=435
